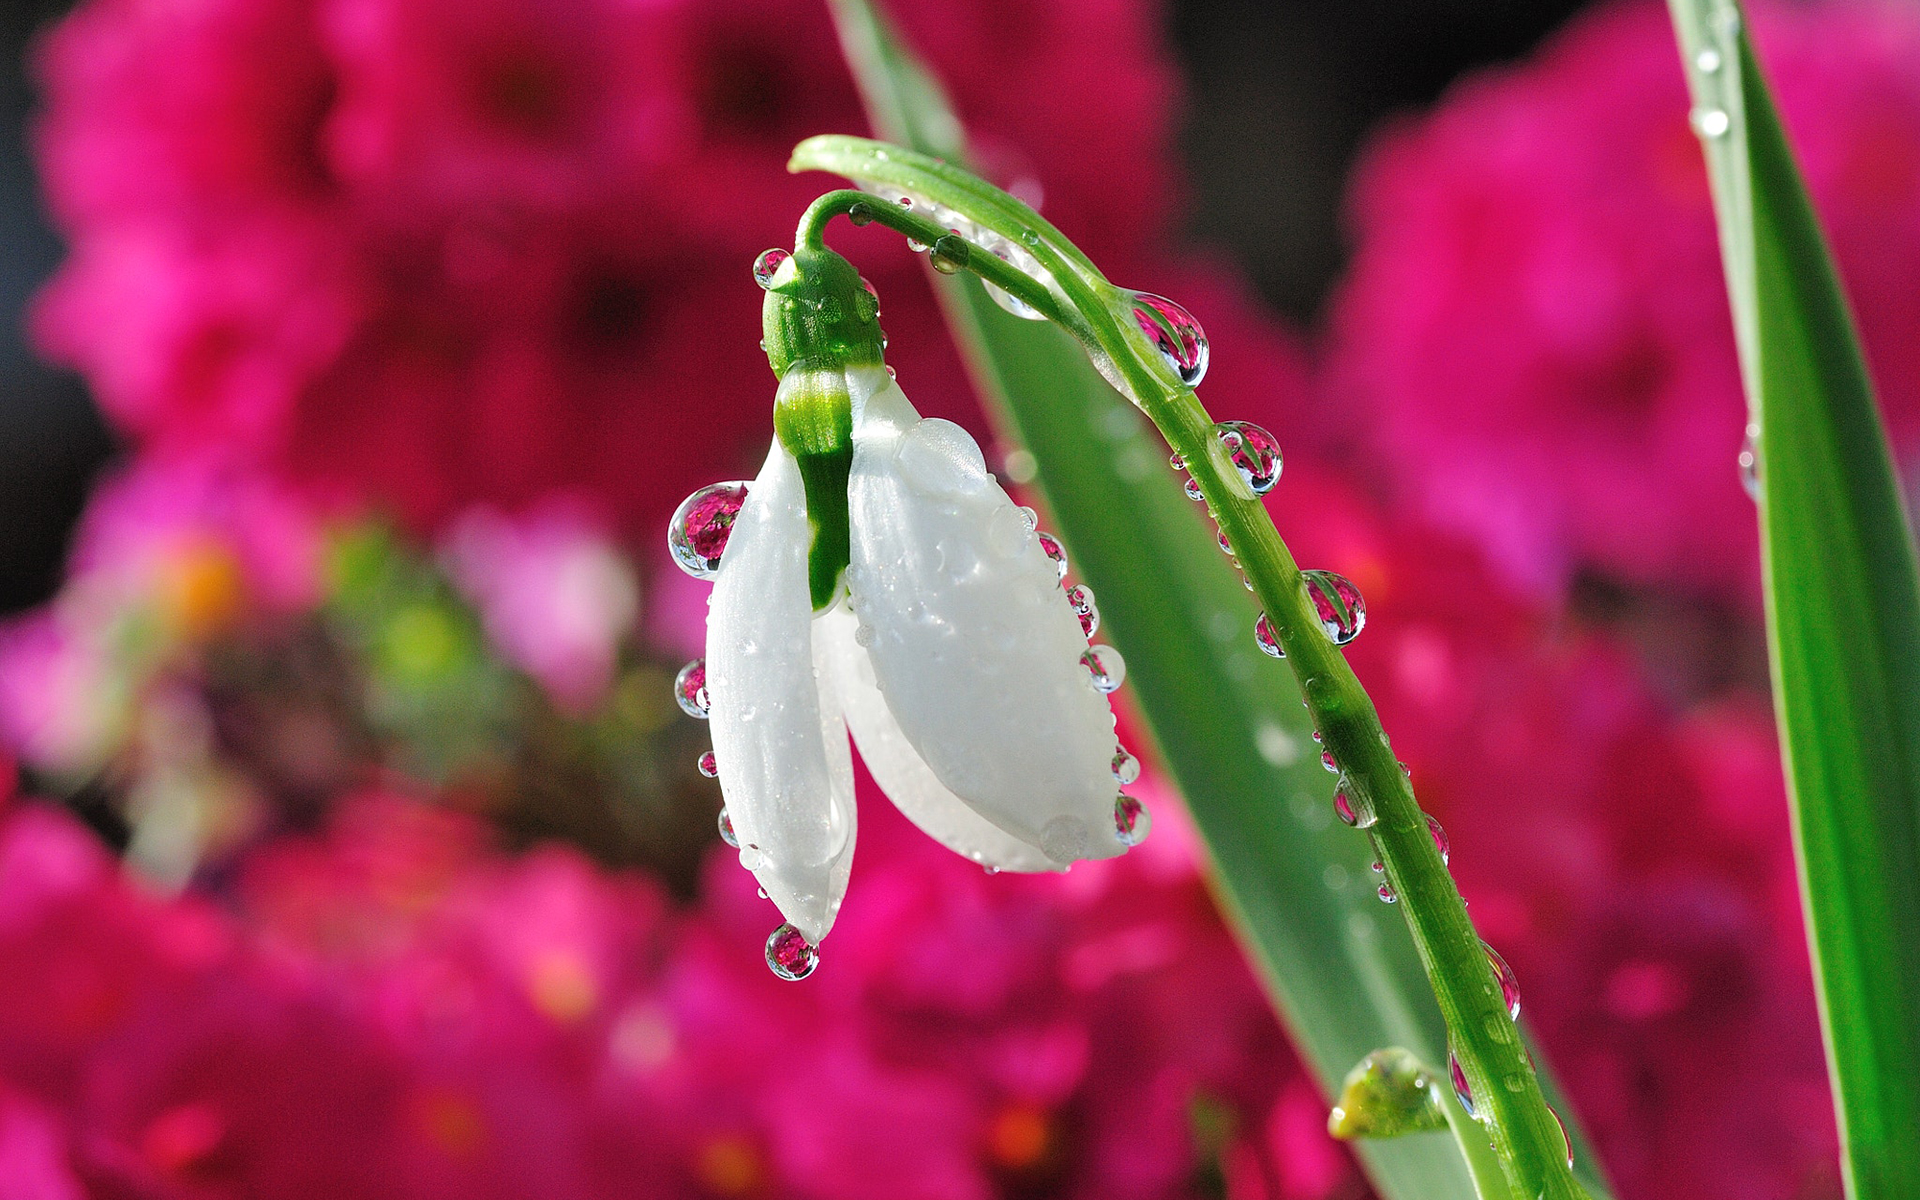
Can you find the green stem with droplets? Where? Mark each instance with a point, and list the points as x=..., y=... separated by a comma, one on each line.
x=1511, y=1112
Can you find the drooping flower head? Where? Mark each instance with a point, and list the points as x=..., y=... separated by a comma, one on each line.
x=875, y=576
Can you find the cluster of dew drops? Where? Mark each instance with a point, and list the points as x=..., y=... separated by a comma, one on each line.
x=697, y=536
x=1340, y=612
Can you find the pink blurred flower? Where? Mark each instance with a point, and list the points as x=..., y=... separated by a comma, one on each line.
x=555, y=595
x=169, y=553
x=431, y=254
x=1534, y=330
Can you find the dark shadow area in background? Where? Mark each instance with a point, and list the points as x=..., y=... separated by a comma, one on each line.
x=1282, y=92
x=1280, y=95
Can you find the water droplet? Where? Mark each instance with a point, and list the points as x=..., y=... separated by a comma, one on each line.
x=1352, y=805
x=891, y=373
x=1337, y=603
x=1379, y=867
x=1388, y=895
x=1263, y=635
x=1030, y=236
x=1029, y=518
x=1105, y=668
x=918, y=247
x=906, y=201
x=1708, y=60
x=709, y=765
x=768, y=265
x=860, y=214
x=1326, y=760
x=1460, y=1087
x=873, y=293
x=697, y=535
x=1126, y=768
x=1710, y=122
x=690, y=689
x=1193, y=489
x=1749, y=461
x=1012, y=303
x=727, y=834
x=1080, y=596
x=1509, y=982
x=1051, y=546
x=1131, y=821
x=1005, y=299
x=1172, y=331
x=1565, y=1137
x=1176, y=462
x=1254, y=452
x=1226, y=543
x=950, y=253
x=789, y=955
x=1440, y=842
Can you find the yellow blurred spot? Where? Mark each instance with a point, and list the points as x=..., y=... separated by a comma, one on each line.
x=1019, y=1137
x=420, y=641
x=644, y=1037
x=200, y=588
x=450, y=1120
x=730, y=1165
x=561, y=987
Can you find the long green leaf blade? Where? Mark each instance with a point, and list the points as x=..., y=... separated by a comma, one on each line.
x=1345, y=979
x=1843, y=607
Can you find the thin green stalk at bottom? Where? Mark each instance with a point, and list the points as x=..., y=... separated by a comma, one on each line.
x=1511, y=1113
x=1508, y=1104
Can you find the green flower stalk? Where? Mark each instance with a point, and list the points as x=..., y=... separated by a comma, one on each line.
x=1153, y=353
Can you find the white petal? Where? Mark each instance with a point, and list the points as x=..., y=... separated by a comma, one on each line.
x=973, y=643
x=785, y=768
x=897, y=766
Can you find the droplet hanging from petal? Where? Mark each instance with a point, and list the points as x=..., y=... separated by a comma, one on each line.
x=697, y=535
x=1131, y=821
x=690, y=689
x=789, y=955
x=1173, y=334
x=768, y=265
x=1254, y=453
x=709, y=765
x=1080, y=596
x=1439, y=836
x=1106, y=670
x=1051, y=546
x=727, y=834
x=1126, y=768
x=1336, y=604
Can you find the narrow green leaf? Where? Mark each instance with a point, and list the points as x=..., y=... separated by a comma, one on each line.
x=1843, y=606
x=1343, y=972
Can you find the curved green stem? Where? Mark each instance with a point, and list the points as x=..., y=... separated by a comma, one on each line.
x=1510, y=1110
x=862, y=208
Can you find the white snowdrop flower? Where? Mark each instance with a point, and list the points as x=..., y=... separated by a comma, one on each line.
x=874, y=577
